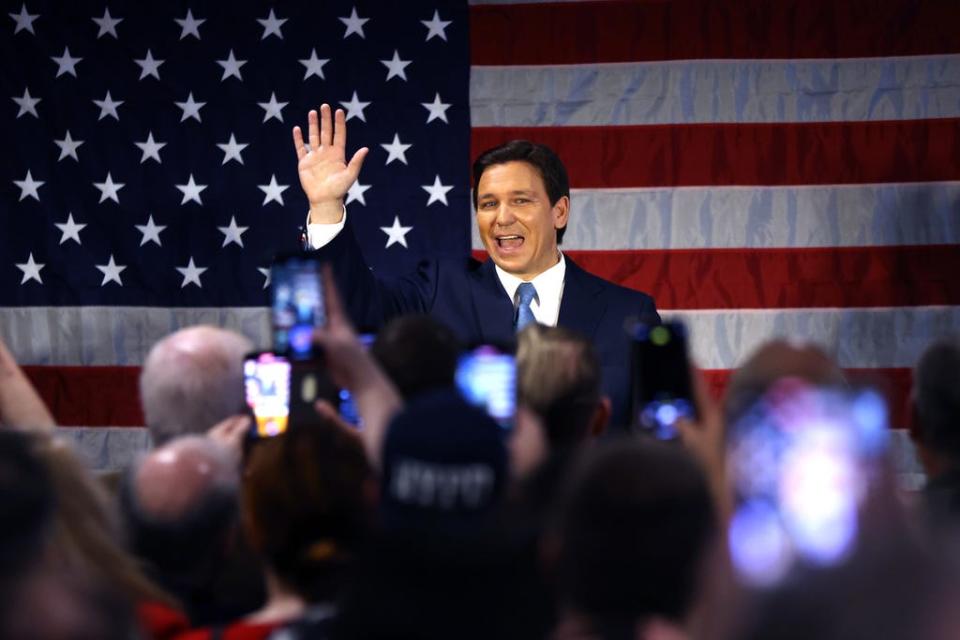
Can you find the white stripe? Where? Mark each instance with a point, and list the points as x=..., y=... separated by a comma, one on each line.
x=107, y=448
x=859, y=338
x=762, y=217
x=711, y=91
x=112, y=335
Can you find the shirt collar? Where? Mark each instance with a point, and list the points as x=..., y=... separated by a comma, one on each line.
x=549, y=280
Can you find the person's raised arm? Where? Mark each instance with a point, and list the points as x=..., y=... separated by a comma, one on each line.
x=325, y=174
x=20, y=404
x=352, y=367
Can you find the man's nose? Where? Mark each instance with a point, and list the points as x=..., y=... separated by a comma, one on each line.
x=505, y=215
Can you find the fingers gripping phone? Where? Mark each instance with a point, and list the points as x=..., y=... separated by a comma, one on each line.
x=662, y=390
x=297, y=304
x=281, y=392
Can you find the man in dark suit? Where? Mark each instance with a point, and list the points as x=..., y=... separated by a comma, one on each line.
x=522, y=198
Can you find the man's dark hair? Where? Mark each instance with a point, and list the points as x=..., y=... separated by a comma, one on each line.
x=558, y=376
x=417, y=353
x=937, y=398
x=635, y=523
x=539, y=156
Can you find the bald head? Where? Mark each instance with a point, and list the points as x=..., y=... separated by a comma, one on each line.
x=174, y=479
x=773, y=361
x=191, y=380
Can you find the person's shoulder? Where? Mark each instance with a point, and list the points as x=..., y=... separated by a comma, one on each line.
x=606, y=287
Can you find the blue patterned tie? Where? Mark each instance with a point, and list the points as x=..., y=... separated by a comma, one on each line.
x=526, y=293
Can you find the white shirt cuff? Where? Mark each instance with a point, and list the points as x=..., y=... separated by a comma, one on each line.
x=320, y=235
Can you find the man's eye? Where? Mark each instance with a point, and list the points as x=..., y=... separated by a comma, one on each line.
x=487, y=205
x=521, y=200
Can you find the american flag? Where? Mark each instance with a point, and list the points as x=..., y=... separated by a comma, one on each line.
x=762, y=168
x=149, y=174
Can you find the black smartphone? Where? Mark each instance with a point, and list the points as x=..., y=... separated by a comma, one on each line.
x=266, y=384
x=297, y=304
x=281, y=392
x=487, y=377
x=662, y=389
x=348, y=407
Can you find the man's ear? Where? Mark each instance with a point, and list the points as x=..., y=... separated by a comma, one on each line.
x=561, y=212
x=601, y=417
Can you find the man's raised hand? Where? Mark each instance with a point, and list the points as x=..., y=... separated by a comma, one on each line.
x=325, y=174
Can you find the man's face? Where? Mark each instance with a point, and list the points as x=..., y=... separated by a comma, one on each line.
x=516, y=220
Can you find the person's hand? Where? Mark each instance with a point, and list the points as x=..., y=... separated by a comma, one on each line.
x=20, y=404
x=325, y=174
x=229, y=434
x=706, y=441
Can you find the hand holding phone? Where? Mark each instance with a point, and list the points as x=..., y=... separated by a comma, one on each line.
x=662, y=390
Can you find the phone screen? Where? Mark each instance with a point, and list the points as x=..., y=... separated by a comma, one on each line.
x=348, y=407
x=487, y=377
x=266, y=380
x=297, y=304
x=662, y=390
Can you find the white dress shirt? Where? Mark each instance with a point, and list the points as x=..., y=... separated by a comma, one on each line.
x=549, y=284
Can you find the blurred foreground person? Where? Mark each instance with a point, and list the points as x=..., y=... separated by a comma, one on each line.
x=633, y=534
x=182, y=508
x=417, y=353
x=304, y=507
x=935, y=427
x=192, y=380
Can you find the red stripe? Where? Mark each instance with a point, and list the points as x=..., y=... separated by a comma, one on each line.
x=625, y=31
x=783, y=278
x=746, y=154
x=895, y=384
x=90, y=396
x=108, y=397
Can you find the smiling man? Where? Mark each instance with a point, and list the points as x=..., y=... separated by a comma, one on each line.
x=522, y=199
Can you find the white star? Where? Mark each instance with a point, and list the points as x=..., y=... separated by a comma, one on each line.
x=191, y=108
x=355, y=107
x=190, y=26
x=28, y=104
x=191, y=273
x=31, y=270
x=24, y=20
x=231, y=150
x=396, y=234
x=273, y=109
x=66, y=63
x=273, y=191
x=396, y=150
x=151, y=148
x=437, y=191
x=151, y=232
x=107, y=24
x=271, y=26
x=436, y=26
x=354, y=24
x=111, y=271
x=68, y=147
x=314, y=65
x=265, y=272
x=108, y=107
x=149, y=66
x=28, y=187
x=232, y=232
x=109, y=188
x=231, y=67
x=356, y=193
x=70, y=229
x=395, y=66
x=191, y=191
x=437, y=109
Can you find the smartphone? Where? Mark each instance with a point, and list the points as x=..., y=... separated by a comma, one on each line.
x=662, y=390
x=266, y=383
x=487, y=377
x=296, y=304
x=801, y=462
x=281, y=392
x=348, y=408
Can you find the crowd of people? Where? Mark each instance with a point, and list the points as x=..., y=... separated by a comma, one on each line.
x=434, y=521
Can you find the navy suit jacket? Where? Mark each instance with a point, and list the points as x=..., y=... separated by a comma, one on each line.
x=467, y=296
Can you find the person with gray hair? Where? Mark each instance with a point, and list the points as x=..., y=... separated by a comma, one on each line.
x=192, y=380
x=935, y=425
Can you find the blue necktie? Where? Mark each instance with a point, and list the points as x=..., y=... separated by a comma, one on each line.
x=526, y=293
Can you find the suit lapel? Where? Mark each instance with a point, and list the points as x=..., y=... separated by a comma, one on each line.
x=581, y=307
x=492, y=305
